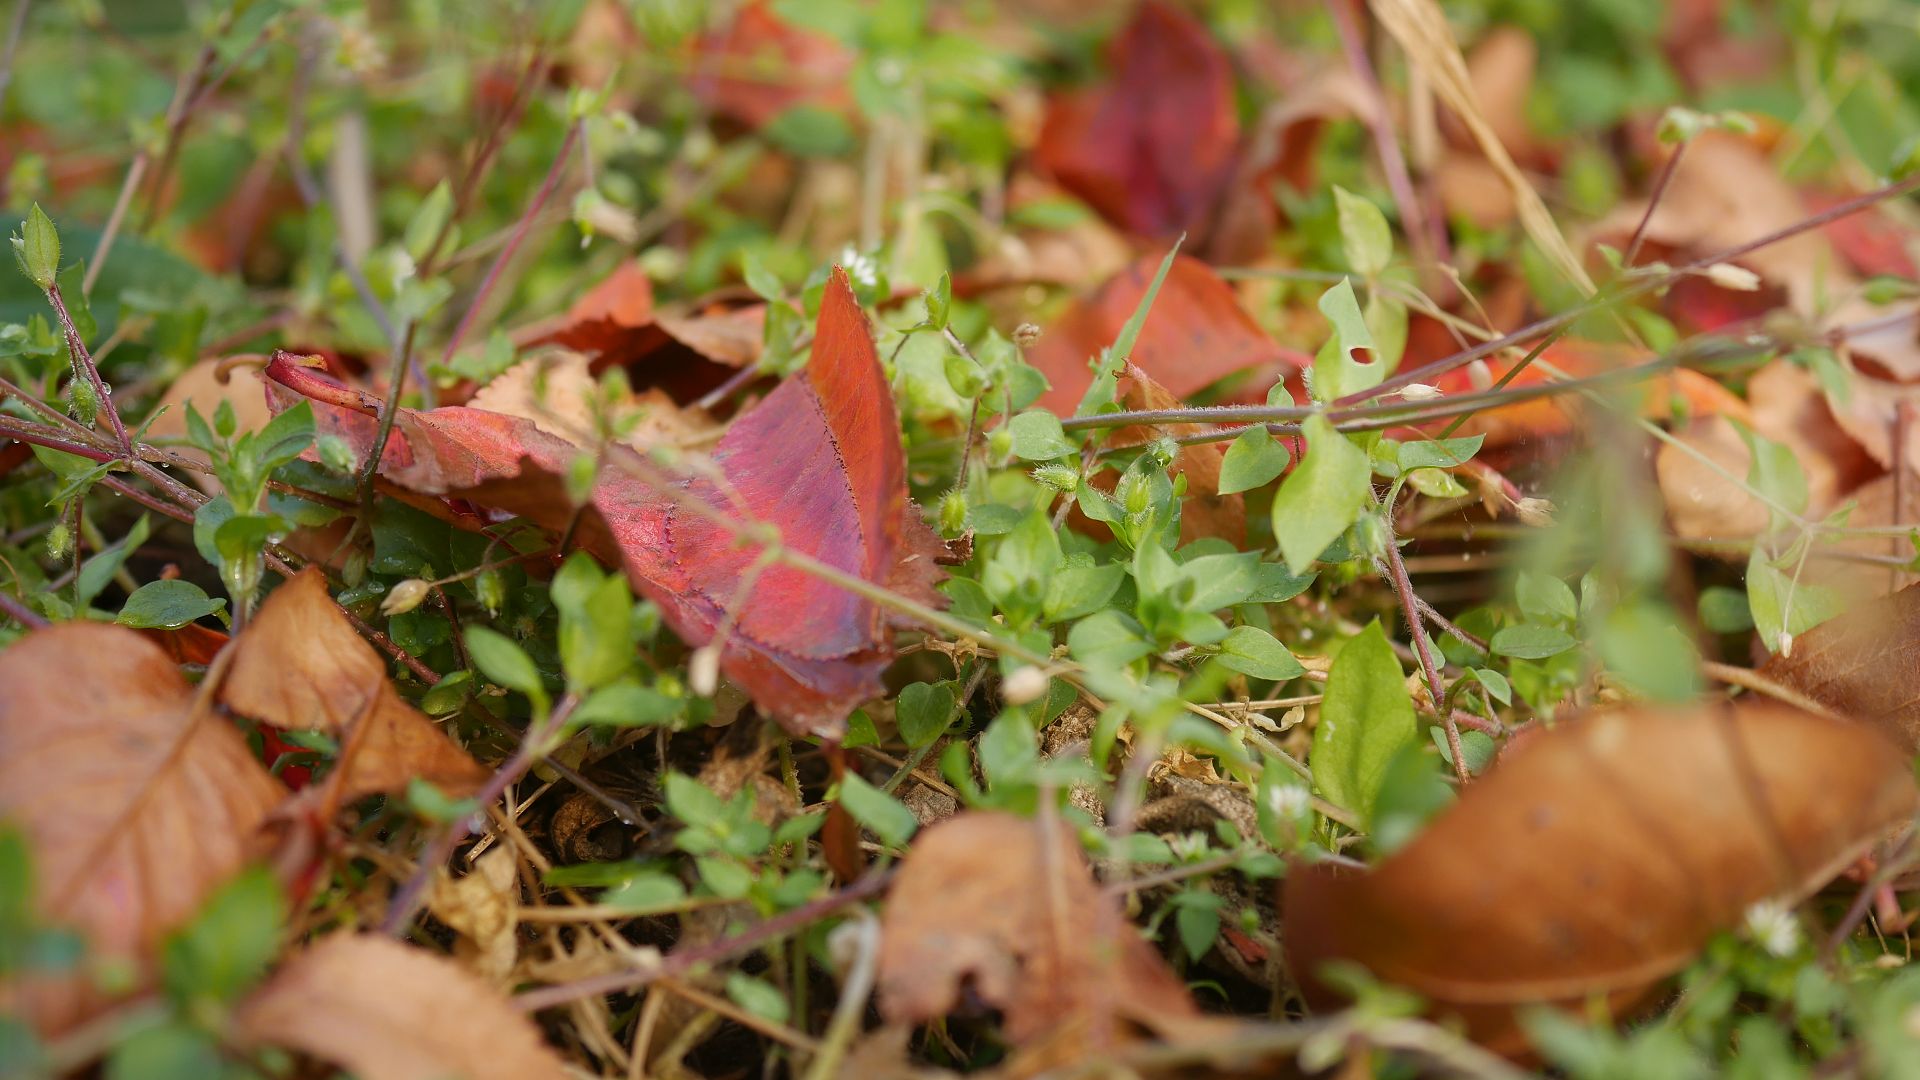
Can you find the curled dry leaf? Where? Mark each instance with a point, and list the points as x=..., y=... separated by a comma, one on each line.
x=557, y=393
x=301, y=666
x=1195, y=335
x=997, y=904
x=1596, y=858
x=137, y=803
x=1860, y=665
x=386, y=1011
x=1150, y=148
x=483, y=907
x=819, y=459
x=617, y=324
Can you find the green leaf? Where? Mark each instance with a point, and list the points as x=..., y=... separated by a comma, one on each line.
x=98, y=571
x=284, y=438
x=1776, y=474
x=1531, y=641
x=726, y=878
x=1108, y=639
x=1222, y=580
x=644, y=892
x=38, y=248
x=1642, y=644
x=1252, y=651
x=757, y=996
x=1196, y=918
x=922, y=712
x=1725, y=611
x=596, y=638
x=1366, y=718
x=167, y=605
x=1365, y=237
x=1477, y=746
x=1780, y=608
x=504, y=662
x=172, y=1050
x=1439, y=453
x=1009, y=752
x=1077, y=590
x=1101, y=390
x=940, y=303
x=694, y=802
x=1038, y=436
x=1323, y=495
x=1496, y=684
x=889, y=818
x=1336, y=371
x=427, y=222
x=1411, y=793
x=1544, y=596
x=626, y=704
x=1253, y=460
x=228, y=945
x=761, y=280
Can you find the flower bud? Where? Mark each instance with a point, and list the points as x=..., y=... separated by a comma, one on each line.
x=1535, y=512
x=1737, y=278
x=953, y=513
x=1419, y=392
x=405, y=596
x=1026, y=335
x=1057, y=477
x=1026, y=685
x=703, y=669
x=1480, y=375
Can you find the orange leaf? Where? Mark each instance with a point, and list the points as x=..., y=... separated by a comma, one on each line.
x=1598, y=857
x=386, y=1011
x=300, y=665
x=1195, y=335
x=136, y=802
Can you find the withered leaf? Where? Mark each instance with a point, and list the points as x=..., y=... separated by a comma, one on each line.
x=1150, y=148
x=819, y=458
x=1195, y=335
x=1596, y=858
x=1862, y=665
x=998, y=903
x=387, y=1011
x=136, y=801
x=300, y=665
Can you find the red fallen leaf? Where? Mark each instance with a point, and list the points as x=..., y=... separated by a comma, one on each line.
x=1151, y=148
x=1196, y=334
x=819, y=459
x=1871, y=241
x=1596, y=858
x=760, y=66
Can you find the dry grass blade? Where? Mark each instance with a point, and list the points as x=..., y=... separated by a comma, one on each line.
x=1601, y=855
x=386, y=1011
x=136, y=803
x=1421, y=29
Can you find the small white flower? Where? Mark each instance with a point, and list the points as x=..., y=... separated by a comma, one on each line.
x=1773, y=927
x=1737, y=278
x=1786, y=644
x=1420, y=391
x=1288, y=802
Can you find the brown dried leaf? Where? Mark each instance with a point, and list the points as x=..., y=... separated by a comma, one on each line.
x=136, y=803
x=385, y=1011
x=1860, y=665
x=483, y=907
x=1787, y=407
x=991, y=902
x=557, y=392
x=300, y=665
x=1596, y=858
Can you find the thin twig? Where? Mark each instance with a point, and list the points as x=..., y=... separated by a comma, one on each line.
x=1660, y=184
x=83, y=360
x=1395, y=570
